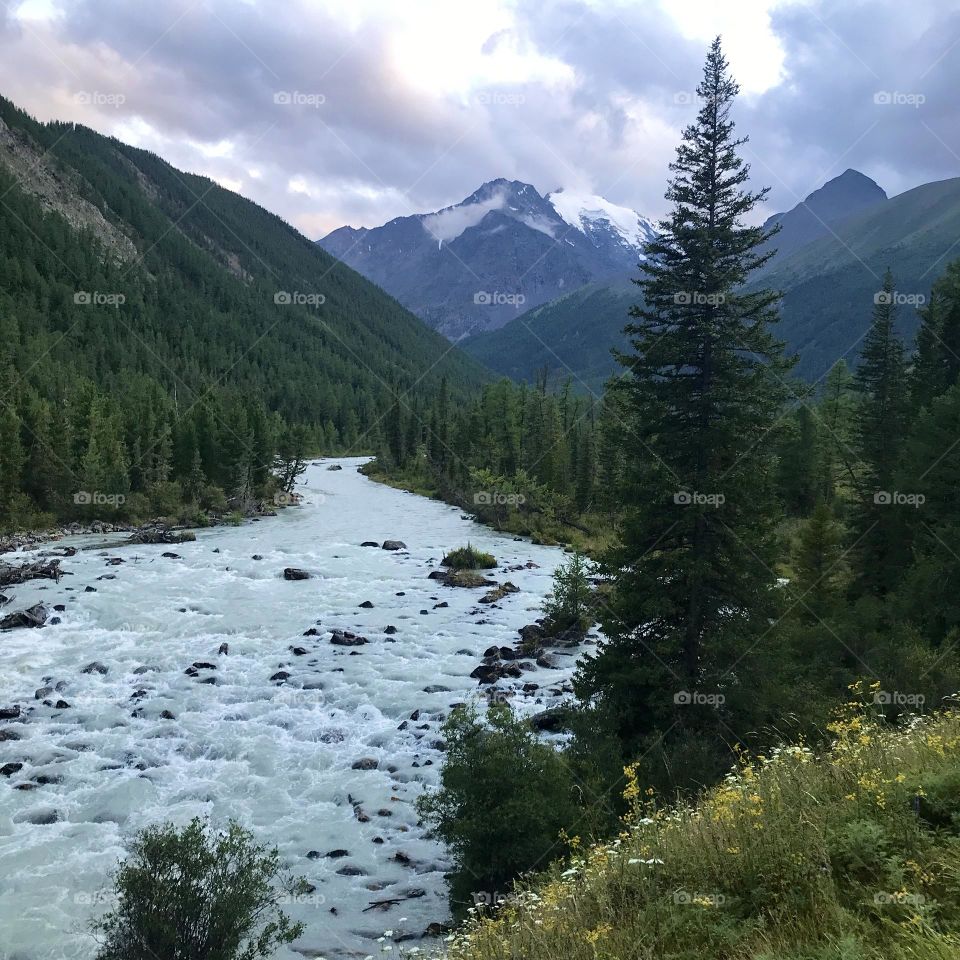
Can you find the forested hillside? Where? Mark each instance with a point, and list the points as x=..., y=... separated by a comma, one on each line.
x=161, y=337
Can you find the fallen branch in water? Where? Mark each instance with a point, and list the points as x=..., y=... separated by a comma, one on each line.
x=38, y=570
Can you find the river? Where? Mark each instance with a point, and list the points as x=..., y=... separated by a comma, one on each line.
x=275, y=754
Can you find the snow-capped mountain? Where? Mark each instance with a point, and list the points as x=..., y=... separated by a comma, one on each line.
x=604, y=222
x=476, y=265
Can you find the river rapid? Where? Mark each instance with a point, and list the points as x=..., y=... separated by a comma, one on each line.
x=145, y=741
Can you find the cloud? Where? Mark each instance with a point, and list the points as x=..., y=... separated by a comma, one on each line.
x=449, y=223
x=363, y=112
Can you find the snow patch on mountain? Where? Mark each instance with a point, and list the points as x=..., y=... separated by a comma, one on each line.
x=587, y=212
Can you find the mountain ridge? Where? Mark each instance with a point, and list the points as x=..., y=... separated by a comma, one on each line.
x=477, y=264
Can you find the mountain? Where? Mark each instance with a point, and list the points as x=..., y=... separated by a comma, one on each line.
x=838, y=199
x=475, y=266
x=149, y=317
x=828, y=285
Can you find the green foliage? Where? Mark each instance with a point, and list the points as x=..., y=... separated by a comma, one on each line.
x=503, y=801
x=469, y=558
x=570, y=602
x=193, y=894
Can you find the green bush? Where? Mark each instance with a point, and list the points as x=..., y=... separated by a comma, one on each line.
x=504, y=800
x=192, y=894
x=569, y=603
x=467, y=558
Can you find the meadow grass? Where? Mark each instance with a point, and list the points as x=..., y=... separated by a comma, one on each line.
x=849, y=855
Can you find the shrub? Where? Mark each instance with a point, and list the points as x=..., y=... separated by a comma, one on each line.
x=505, y=798
x=467, y=558
x=568, y=605
x=191, y=894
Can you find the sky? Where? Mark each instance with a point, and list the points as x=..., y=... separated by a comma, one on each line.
x=359, y=111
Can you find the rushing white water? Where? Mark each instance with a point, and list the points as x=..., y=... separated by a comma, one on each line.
x=275, y=755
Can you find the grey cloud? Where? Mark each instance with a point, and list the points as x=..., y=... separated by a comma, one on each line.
x=376, y=147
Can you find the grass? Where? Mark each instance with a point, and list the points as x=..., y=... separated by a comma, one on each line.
x=852, y=855
x=469, y=558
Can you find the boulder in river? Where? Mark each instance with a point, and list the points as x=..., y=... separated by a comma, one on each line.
x=335, y=466
x=394, y=545
x=344, y=638
x=35, y=616
x=370, y=543
x=551, y=720
x=96, y=667
x=295, y=573
x=365, y=763
x=9, y=713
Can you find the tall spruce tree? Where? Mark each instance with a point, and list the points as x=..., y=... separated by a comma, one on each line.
x=692, y=577
x=880, y=535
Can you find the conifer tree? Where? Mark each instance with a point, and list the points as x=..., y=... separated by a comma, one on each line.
x=692, y=579
x=879, y=534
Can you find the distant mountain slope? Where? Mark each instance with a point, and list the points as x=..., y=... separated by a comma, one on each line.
x=217, y=292
x=828, y=286
x=569, y=337
x=504, y=249
x=845, y=196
